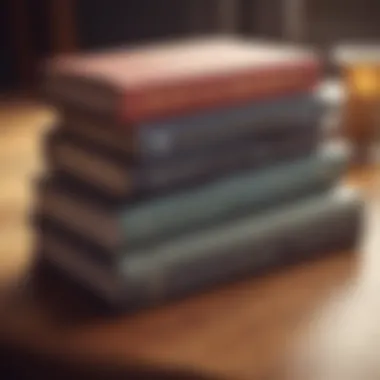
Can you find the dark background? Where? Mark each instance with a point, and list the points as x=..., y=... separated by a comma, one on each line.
x=28, y=35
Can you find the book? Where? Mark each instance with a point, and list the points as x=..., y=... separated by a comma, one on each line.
x=150, y=222
x=120, y=178
x=151, y=82
x=250, y=245
x=180, y=135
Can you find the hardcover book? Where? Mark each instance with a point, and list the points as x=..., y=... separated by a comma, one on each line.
x=218, y=202
x=121, y=178
x=207, y=129
x=246, y=246
x=152, y=82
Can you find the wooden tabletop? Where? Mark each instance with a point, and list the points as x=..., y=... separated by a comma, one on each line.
x=237, y=331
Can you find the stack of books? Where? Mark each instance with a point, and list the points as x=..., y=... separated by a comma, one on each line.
x=182, y=165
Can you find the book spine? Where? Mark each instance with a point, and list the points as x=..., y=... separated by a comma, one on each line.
x=103, y=282
x=185, y=97
x=211, y=164
x=120, y=179
x=101, y=233
x=113, y=179
x=251, y=192
x=99, y=134
x=181, y=135
x=53, y=225
x=78, y=93
x=207, y=129
x=248, y=246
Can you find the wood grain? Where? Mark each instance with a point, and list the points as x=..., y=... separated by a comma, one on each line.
x=237, y=331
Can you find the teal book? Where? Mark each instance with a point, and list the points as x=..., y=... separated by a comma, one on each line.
x=215, y=203
x=321, y=224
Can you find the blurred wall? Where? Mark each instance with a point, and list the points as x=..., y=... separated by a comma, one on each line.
x=40, y=30
x=102, y=23
x=7, y=59
x=325, y=22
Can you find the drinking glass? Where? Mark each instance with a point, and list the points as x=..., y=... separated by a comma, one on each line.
x=360, y=71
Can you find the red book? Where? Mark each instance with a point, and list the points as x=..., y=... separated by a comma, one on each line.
x=162, y=80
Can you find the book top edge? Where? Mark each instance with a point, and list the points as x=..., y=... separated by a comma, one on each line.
x=129, y=67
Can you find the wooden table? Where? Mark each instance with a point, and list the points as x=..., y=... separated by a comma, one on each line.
x=237, y=331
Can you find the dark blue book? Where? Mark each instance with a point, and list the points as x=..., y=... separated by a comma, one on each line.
x=120, y=178
x=191, y=133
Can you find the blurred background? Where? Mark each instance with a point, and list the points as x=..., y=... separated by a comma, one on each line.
x=34, y=29
x=218, y=333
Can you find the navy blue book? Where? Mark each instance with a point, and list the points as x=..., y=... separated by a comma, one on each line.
x=202, y=130
x=120, y=178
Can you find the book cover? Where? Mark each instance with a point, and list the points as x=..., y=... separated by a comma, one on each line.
x=120, y=178
x=151, y=222
x=181, y=135
x=156, y=81
x=250, y=245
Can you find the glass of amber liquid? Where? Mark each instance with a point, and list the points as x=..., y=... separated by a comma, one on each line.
x=360, y=70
